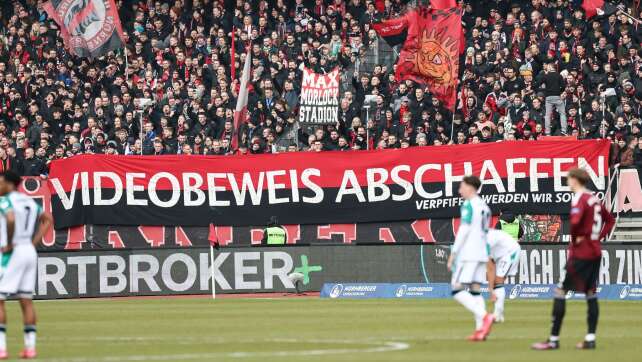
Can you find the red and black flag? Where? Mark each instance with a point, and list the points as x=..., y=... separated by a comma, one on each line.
x=598, y=7
x=431, y=43
x=89, y=28
x=393, y=31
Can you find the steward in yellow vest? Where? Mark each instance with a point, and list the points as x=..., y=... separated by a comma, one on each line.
x=510, y=224
x=274, y=234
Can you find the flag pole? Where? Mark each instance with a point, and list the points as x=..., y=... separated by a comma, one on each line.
x=452, y=121
x=233, y=55
x=452, y=129
x=126, y=65
x=637, y=21
x=242, y=97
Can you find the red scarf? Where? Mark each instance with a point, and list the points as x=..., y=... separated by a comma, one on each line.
x=5, y=164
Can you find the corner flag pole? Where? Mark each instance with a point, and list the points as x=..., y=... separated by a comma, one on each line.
x=212, y=271
x=213, y=243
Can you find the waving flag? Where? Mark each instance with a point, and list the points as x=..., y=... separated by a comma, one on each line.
x=240, y=114
x=430, y=55
x=443, y=4
x=393, y=31
x=448, y=4
x=89, y=28
x=598, y=7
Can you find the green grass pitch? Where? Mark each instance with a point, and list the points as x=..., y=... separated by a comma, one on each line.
x=310, y=329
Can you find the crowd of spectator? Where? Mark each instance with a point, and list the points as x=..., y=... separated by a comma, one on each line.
x=531, y=68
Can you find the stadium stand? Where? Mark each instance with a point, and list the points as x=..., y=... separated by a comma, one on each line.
x=177, y=94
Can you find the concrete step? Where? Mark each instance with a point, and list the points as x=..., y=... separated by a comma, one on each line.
x=630, y=219
x=627, y=235
x=628, y=232
x=629, y=224
x=620, y=240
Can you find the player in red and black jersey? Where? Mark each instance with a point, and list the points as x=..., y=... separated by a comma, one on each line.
x=590, y=223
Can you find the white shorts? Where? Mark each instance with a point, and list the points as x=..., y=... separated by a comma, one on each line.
x=19, y=276
x=468, y=272
x=507, y=265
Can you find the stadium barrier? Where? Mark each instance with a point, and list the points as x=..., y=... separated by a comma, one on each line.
x=176, y=271
x=537, y=228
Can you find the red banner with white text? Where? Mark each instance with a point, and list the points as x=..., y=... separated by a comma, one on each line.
x=318, y=188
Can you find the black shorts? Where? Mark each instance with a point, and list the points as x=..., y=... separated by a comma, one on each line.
x=581, y=275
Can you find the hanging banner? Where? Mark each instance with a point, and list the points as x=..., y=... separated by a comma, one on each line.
x=317, y=188
x=537, y=228
x=629, y=192
x=319, y=97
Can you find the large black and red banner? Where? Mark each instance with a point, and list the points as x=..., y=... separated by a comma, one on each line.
x=318, y=188
x=89, y=28
x=538, y=228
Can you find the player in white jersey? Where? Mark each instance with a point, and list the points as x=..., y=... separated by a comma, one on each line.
x=504, y=260
x=26, y=225
x=469, y=256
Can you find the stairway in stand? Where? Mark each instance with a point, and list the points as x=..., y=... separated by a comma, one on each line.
x=628, y=229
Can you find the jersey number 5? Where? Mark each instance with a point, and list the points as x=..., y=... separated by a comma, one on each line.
x=597, y=222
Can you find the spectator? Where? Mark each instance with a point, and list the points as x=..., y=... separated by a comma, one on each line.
x=637, y=155
x=8, y=163
x=32, y=165
x=554, y=85
x=627, y=153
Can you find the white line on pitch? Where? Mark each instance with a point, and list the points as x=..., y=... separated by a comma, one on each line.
x=376, y=347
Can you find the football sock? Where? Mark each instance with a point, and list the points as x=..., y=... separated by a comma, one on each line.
x=559, y=309
x=3, y=337
x=500, y=293
x=469, y=302
x=30, y=336
x=480, y=301
x=592, y=315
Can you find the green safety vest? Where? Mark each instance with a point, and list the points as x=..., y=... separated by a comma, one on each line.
x=511, y=228
x=275, y=235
